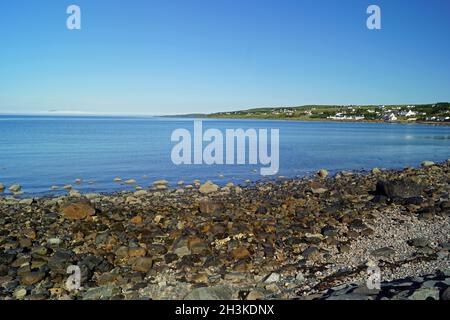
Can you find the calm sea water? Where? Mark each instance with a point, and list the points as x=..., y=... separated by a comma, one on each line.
x=39, y=152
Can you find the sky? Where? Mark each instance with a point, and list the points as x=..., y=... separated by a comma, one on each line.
x=187, y=56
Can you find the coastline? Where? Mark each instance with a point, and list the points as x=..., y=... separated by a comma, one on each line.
x=435, y=123
x=306, y=238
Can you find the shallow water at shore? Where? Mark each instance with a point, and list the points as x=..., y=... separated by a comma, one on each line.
x=39, y=152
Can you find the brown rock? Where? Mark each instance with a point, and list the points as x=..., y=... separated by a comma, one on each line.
x=78, y=210
x=136, y=220
x=142, y=264
x=31, y=278
x=137, y=252
x=240, y=253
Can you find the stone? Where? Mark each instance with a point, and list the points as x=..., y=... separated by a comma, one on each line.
x=26, y=202
x=210, y=293
x=426, y=164
x=101, y=293
x=137, y=252
x=30, y=278
x=160, y=182
x=20, y=293
x=142, y=264
x=322, y=173
x=54, y=241
x=329, y=231
x=418, y=242
x=384, y=252
x=376, y=171
x=272, y=278
x=310, y=252
x=182, y=251
x=240, y=253
x=136, y=220
x=319, y=190
x=15, y=188
x=2, y=187
x=425, y=294
x=208, y=187
x=77, y=210
x=299, y=277
x=446, y=294
x=399, y=189
x=255, y=295
x=130, y=181
x=117, y=180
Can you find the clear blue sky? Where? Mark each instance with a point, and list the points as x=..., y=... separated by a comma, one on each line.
x=181, y=56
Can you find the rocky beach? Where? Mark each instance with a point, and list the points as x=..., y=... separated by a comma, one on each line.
x=307, y=238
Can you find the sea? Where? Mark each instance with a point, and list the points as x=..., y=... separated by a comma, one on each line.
x=39, y=152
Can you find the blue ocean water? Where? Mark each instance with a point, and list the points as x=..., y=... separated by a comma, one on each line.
x=39, y=151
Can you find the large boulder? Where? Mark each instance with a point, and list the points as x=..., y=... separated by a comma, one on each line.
x=78, y=210
x=399, y=189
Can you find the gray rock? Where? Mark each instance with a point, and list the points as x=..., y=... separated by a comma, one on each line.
x=425, y=294
x=403, y=189
x=385, y=252
x=418, y=242
x=273, y=277
x=446, y=294
x=210, y=293
x=101, y=293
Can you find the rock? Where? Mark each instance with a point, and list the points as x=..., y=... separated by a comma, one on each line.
x=240, y=253
x=210, y=207
x=426, y=215
x=54, y=241
x=74, y=194
x=357, y=224
x=255, y=295
x=68, y=187
x=160, y=182
x=343, y=248
x=272, y=278
x=101, y=293
x=319, y=190
x=78, y=210
x=310, y=252
x=446, y=294
x=384, y=252
x=30, y=278
x=418, y=242
x=130, y=181
x=78, y=181
x=425, y=294
x=15, y=188
x=137, y=252
x=210, y=293
x=26, y=202
x=142, y=264
x=140, y=193
x=426, y=164
x=136, y=220
x=2, y=187
x=182, y=251
x=20, y=293
x=376, y=171
x=208, y=187
x=299, y=277
x=322, y=173
x=117, y=179
x=329, y=231
x=399, y=189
